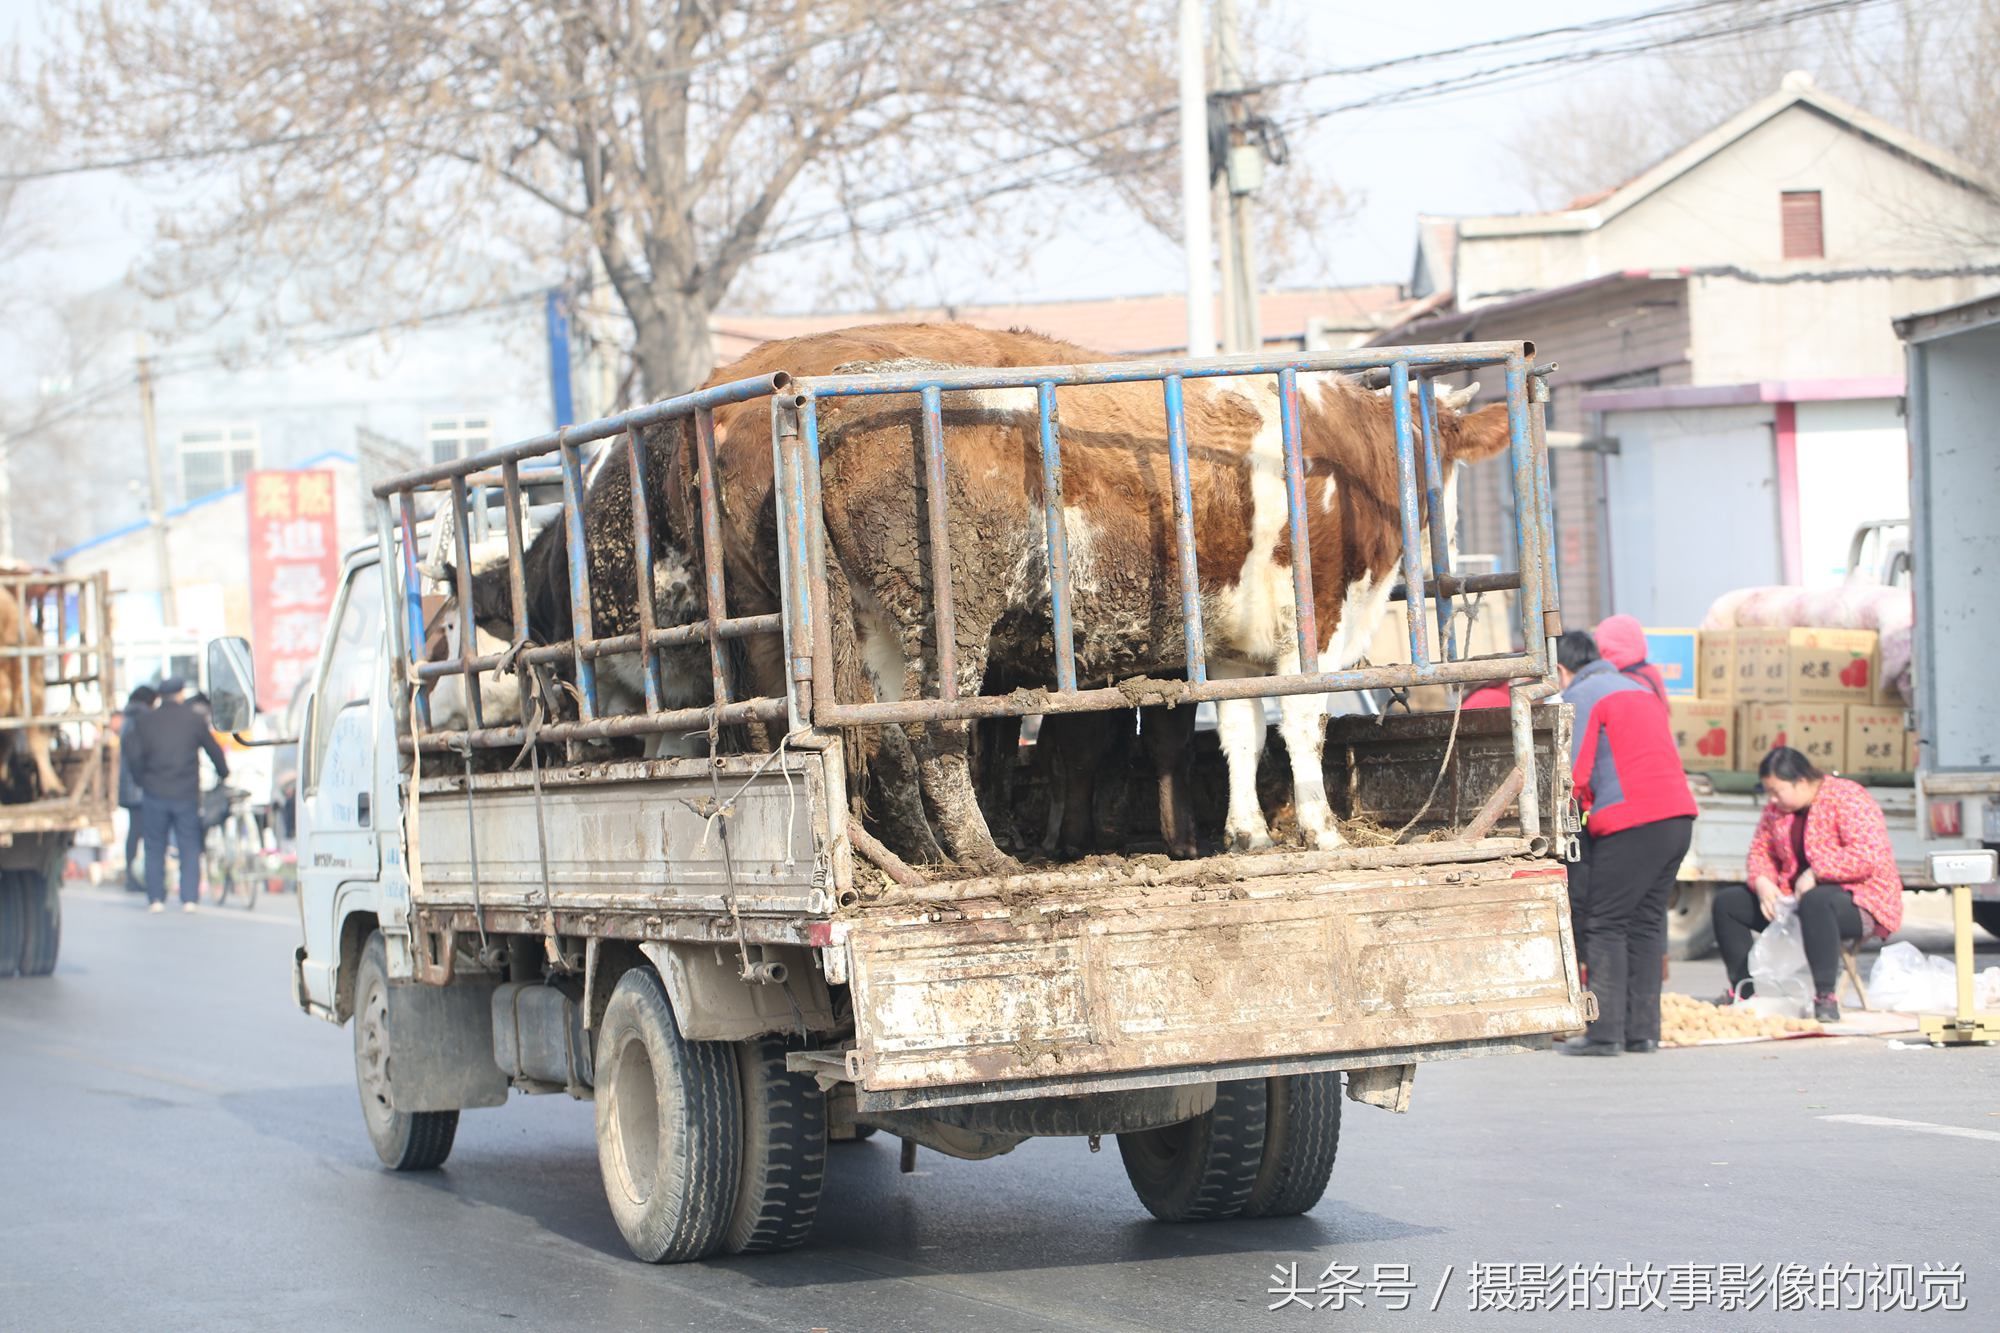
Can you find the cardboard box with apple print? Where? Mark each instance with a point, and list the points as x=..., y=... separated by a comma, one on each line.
x=1834, y=666
x=1876, y=741
x=1704, y=733
x=1819, y=731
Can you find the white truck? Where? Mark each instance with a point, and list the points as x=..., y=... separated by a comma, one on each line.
x=1948, y=551
x=702, y=947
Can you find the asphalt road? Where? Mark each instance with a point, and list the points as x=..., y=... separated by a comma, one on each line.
x=179, y=1148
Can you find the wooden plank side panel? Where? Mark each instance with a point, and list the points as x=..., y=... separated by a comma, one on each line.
x=1298, y=971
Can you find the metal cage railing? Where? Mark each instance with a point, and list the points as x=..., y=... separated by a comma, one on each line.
x=1429, y=587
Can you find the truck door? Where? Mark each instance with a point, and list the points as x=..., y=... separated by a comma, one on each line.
x=339, y=826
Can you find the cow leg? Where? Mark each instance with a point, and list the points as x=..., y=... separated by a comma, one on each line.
x=1169, y=736
x=1239, y=724
x=38, y=746
x=1077, y=741
x=1302, y=722
x=944, y=773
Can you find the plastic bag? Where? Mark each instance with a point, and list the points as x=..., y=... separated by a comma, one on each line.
x=1778, y=967
x=1905, y=980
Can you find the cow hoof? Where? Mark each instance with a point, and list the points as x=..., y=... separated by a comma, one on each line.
x=1250, y=840
x=1182, y=851
x=1327, y=840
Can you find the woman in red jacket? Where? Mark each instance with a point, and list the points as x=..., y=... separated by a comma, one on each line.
x=1823, y=842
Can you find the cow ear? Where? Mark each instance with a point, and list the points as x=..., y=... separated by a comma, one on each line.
x=1482, y=434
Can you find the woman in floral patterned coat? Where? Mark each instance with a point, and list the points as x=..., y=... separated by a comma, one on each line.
x=1823, y=842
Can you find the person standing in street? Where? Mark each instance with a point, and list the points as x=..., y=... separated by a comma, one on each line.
x=130, y=797
x=163, y=751
x=1638, y=822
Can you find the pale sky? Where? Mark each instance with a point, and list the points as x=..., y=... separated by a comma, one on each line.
x=1441, y=156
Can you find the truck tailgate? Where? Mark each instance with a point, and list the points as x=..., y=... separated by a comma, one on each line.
x=1388, y=966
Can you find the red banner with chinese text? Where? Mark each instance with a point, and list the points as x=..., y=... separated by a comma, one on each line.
x=294, y=571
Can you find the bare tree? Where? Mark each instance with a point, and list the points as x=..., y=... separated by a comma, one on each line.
x=389, y=154
x=1932, y=69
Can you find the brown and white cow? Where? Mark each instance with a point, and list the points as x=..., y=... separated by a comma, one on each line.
x=1124, y=570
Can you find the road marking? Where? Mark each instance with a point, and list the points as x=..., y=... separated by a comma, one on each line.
x=1920, y=1126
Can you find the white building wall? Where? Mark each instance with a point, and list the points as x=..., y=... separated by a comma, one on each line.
x=1693, y=509
x=1854, y=466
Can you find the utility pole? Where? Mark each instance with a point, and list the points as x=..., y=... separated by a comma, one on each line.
x=1241, y=177
x=1194, y=184
x=169, y=613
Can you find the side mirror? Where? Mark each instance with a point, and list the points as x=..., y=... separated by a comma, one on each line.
x=232, y=685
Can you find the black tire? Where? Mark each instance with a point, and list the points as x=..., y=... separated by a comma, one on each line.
x=669, y=1126
x=13, y=921
x=1301, y=1140
x=1987, y=917
x=404, y=1140
x=41, y=936
x=784, y=1152
x=1691, y=921
x=1204, y=1169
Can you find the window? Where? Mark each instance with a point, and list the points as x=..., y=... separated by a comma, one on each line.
x=1802, y=236
x=350, y=664
x=459, y=437
x=214, y=458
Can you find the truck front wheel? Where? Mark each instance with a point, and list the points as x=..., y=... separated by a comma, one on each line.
x=404, y=1140
x=1204, y=1169
x=1301, y=1140
x=669, y=1126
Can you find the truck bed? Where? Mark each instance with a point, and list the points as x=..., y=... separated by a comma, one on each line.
x=998, y=991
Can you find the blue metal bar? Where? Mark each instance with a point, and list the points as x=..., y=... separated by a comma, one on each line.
x=1406, y=476
x=1295, y=493
x=642, y=568
x=468, y=633
x=796, y=573
x=936, y=501
x=1440, y=523
x=1527, y=512
x=1058, y=536
x=390, y=575
x=711, y=551
x=1453, y=356
x=1177, y=459
x=413, y=596
x=579, y=574
x=812, y=655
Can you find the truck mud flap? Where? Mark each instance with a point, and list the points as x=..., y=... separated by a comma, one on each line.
x=1294, y=974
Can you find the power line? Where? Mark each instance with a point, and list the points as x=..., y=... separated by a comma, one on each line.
x=1505, y=73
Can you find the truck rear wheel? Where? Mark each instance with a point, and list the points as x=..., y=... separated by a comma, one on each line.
x=1690, y=921
x=404, y=1140
x=1301, y=1140
x=784, y=1151
x=1204, y=1169
x=13, y=921
x=669, y=1126
x=41, y=906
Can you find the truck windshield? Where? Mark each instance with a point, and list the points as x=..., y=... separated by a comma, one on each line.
x=350, y=667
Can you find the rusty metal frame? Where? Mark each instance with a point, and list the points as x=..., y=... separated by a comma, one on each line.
x=42, y=602
x=805, y=618
x=399, y=526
